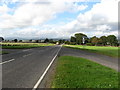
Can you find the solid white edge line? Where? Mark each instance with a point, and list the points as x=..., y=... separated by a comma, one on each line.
x=7, y=61
x=41, y=78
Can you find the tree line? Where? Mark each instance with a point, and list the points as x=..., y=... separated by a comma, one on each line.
x=80, y=39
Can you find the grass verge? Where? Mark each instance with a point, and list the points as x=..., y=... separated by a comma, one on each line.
x=74, y=72
x=3, y=52
x=23, y=45
x=109, y=51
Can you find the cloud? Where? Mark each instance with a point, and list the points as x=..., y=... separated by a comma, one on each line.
x=3, y=9
x=32, y=14
x=100, y=20
x=30, y=20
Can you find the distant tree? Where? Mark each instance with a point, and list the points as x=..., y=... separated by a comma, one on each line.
x=60, y=41
x=79, y=38
x=67, y=42
x=73, y=39
x=20, y=40
x=1, y=39
x=30, y=40
x=51, y=41
x=46, y=40
x=37, y=41
x=15, y=40
x=112, y=40
x=103, y=40
x=95, y=40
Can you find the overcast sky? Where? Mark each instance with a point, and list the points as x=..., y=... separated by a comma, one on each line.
x=58, y=18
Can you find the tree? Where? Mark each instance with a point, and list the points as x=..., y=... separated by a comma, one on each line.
x=15, y=40
x=79, y=38
x=61, y=41
x=67, y=42
x=112, y=40
x=1, y=39
x=103, y=40
x=46, y=40
x=73, y=39
x=30, y=40
x=37, y=41
x=20, y=40
x=94, y=40
x=51, y=41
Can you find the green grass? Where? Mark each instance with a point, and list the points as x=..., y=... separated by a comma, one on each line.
x=74, y=72
x=110, y=51
x=23, y=45
x=3, y=52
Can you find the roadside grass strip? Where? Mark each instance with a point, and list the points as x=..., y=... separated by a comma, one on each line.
x=105, y=50
x=24, y=45
x=74, y=72
x=4, y=52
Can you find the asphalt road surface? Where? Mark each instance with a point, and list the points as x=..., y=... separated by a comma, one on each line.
x=23, y=68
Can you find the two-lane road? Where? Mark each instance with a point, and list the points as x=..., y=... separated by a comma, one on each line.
x=23, y=68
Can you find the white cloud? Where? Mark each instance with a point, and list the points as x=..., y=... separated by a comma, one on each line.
x=35, y=14
x=100, y=20
x=4, y=9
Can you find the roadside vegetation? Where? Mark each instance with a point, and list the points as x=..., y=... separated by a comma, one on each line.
x=23, y=45
x=110, y=51
x=74, y=72
x=3, y=52
x=80, y=39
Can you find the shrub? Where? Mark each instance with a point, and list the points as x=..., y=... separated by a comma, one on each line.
x=90, y=44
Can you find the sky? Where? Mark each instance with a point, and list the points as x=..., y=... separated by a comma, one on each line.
x=31, y=19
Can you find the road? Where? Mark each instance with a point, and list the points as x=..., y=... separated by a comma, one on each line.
x=23, y=68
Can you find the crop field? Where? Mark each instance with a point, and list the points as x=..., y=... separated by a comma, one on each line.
x=24, y=45
x=105, y=50
x=75, y=72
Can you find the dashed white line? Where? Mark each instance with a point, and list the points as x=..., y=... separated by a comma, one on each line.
x=26, y=50
x=7, y=61
x=46, y=70
x=26, y=55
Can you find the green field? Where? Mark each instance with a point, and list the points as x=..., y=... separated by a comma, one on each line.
x=110, y=51
x=74, y=72
x=23, y=45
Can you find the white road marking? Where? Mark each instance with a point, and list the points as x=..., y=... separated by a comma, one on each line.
x=46, y=70
x=7, y=61
x=26, y=50
x=26, y=55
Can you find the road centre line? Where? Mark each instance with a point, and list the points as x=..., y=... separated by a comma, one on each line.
x=13, y=59
x=27, y=55
x=26, y=50
x=46, y=70
x=7, y=61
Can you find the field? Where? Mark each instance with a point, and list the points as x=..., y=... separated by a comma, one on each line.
x=23, y=45
x=110, y=51
x=74, y=72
